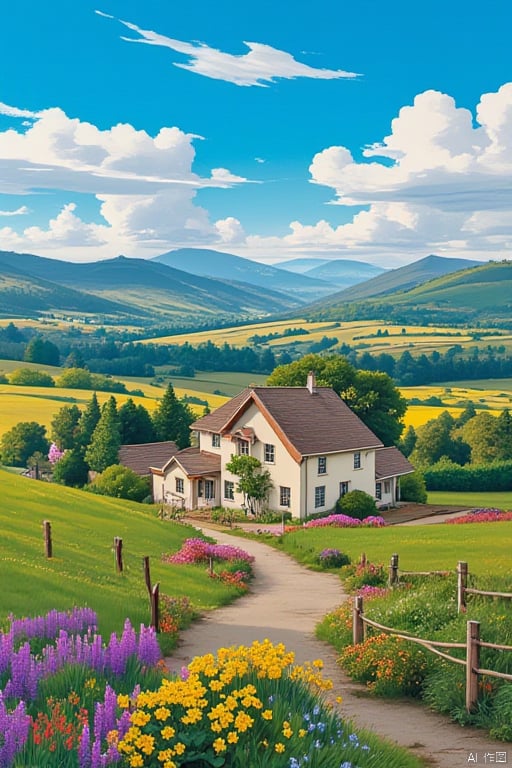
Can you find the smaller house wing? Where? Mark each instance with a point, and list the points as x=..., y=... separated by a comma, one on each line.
x=390, y=462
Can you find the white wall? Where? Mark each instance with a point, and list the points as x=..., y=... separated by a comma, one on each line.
x=340, y=468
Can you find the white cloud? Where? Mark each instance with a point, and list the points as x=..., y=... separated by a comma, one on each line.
x=261, y=66
x=5, y=109
x=230, y=231
x=21, y=211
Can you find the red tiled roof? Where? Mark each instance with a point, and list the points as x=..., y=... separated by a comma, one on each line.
x=142, y=456
x=389, y=462
x=308, y=423
x=196, y=462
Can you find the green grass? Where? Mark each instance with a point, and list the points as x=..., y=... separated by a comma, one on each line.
x=485, y=546
x=82, y=570
x=501, y=500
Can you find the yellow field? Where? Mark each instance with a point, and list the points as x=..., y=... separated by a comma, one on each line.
x=362, y=334
x=455, y=399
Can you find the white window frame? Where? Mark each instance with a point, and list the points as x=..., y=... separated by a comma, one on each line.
x=209, y=489
x=319, y=496
x=229, y=490
x=322, y=465
x=180, y=485
x=243, y=447
x=344, y=487
x=215, y=440
x=269, y=453
x=378, y=491
x=285, y=495
x=357, y=460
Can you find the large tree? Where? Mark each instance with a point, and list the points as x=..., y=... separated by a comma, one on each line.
x=372, y=395
x=41, y=350
x=172, y=419
x=436, y=439
x=64, y=427
x=88, y=421
x=103, y=450
x=135, y=424
x=21, y=442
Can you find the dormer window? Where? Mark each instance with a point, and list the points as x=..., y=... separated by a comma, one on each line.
x=215, y=440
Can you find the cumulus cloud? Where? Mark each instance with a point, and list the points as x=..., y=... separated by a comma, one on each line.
x=5, y=109
x=230, y=231
x=261, y=66
x=440, y=182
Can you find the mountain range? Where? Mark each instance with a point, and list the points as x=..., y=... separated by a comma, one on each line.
x=198, y=286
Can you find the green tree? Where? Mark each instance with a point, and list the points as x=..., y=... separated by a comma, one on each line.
x=27, y=377
x=435, y=439
x=120, y=482
x=103, y=450
x=71, y=469
x=505, y=434
x=21, y=442
x=413, y=488
x=135, y=424
x=88, y=421
x=253, y=482
x=41, y=350
x=75, y=378
x=483, y=435
x=356, y=504
x=172, y=419
x=64, y=427
x=372, y=395
x=408, y=441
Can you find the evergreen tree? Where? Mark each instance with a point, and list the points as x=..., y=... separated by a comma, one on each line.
x=408, y=441
x=71, y=469
x=41, y=350
x=64, y=427
x=88, y=421
x=103, y=450
x=172, y=419
x=135, y=424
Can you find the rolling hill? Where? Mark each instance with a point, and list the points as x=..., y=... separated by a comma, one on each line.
x=121, y=288
x=344, y=272
x=480, y=296
x=227, y=266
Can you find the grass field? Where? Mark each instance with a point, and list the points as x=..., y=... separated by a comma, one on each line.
x=500, y=500
x=82, y=569
x=485, y=546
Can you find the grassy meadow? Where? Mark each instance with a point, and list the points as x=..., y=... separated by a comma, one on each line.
x=82, y=570
x=498, y=500
x=485, y=546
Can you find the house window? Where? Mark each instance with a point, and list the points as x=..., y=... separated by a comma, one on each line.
x=209, y=489
x=215, y=441
x=343, y=487
x=320, y=496
x=284, y=496
x=378, y=491
x=357, y=460
x=387, y=486
x=243, y=448
x=269, y=453
x=229, y=490
x=200, y=488
x=180, y=485
x=322, y=465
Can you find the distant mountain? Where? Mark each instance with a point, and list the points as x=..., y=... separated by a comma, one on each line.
x=124, y=287
x=479, y=295
x=227, y=266
x=301, y=265
x=400, y=279
x=344, y=272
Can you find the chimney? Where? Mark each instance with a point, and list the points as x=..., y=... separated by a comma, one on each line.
x=311, y=383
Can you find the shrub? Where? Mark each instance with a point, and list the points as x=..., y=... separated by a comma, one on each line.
x=121, y=483
x=357, y=504
x=26, y=377
x=364, y=574
x=332, y=558
x=413, y=488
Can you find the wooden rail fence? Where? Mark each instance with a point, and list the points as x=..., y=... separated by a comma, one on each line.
x=473, y=641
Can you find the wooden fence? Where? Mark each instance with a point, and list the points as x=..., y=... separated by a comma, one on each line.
x=473, y=641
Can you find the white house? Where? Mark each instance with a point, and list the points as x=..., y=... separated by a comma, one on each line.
x=314, y=446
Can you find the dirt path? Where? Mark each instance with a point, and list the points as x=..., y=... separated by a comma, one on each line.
x=285, y=603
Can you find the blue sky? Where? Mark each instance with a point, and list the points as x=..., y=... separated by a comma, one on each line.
x=374, y=131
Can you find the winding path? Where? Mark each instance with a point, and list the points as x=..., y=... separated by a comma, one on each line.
x=284, y=604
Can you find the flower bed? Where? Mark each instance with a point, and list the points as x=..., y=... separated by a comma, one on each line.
x=490, y=515
x=243, y=706
x=201, y=551
x=344, y=521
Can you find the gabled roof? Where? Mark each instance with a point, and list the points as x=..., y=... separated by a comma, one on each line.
x=194, y=462
x=141, y=456
x=308, y=423
x=389, y=462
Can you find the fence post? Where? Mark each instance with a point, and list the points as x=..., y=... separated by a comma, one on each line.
x=47, y=532
x=118, y=549
x=357, y=620
x=155, y=607
x=462, y=583
x=393, y=570
x=472, y=664
x=362, y=560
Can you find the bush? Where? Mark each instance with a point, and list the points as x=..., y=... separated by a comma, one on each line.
x=333, y=558
x=356, y=504
x=26, y=377
x=413, y=488
x=490, y=477
x=120, y=482
x=364, y=574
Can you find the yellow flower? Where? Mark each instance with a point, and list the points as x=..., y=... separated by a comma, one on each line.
x=302, y=733
x=123, y=700
x=136, y=761
x=162, y=713
x=140, y=718
x=279, y=747
x=167, y=732
x=145, y=743
x=219, y=745
x=267, y=714
x=243, y=721
x=179, y=748
x=232, y=737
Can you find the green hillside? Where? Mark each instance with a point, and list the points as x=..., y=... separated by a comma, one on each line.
x=478, y=296
x=82, y=570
